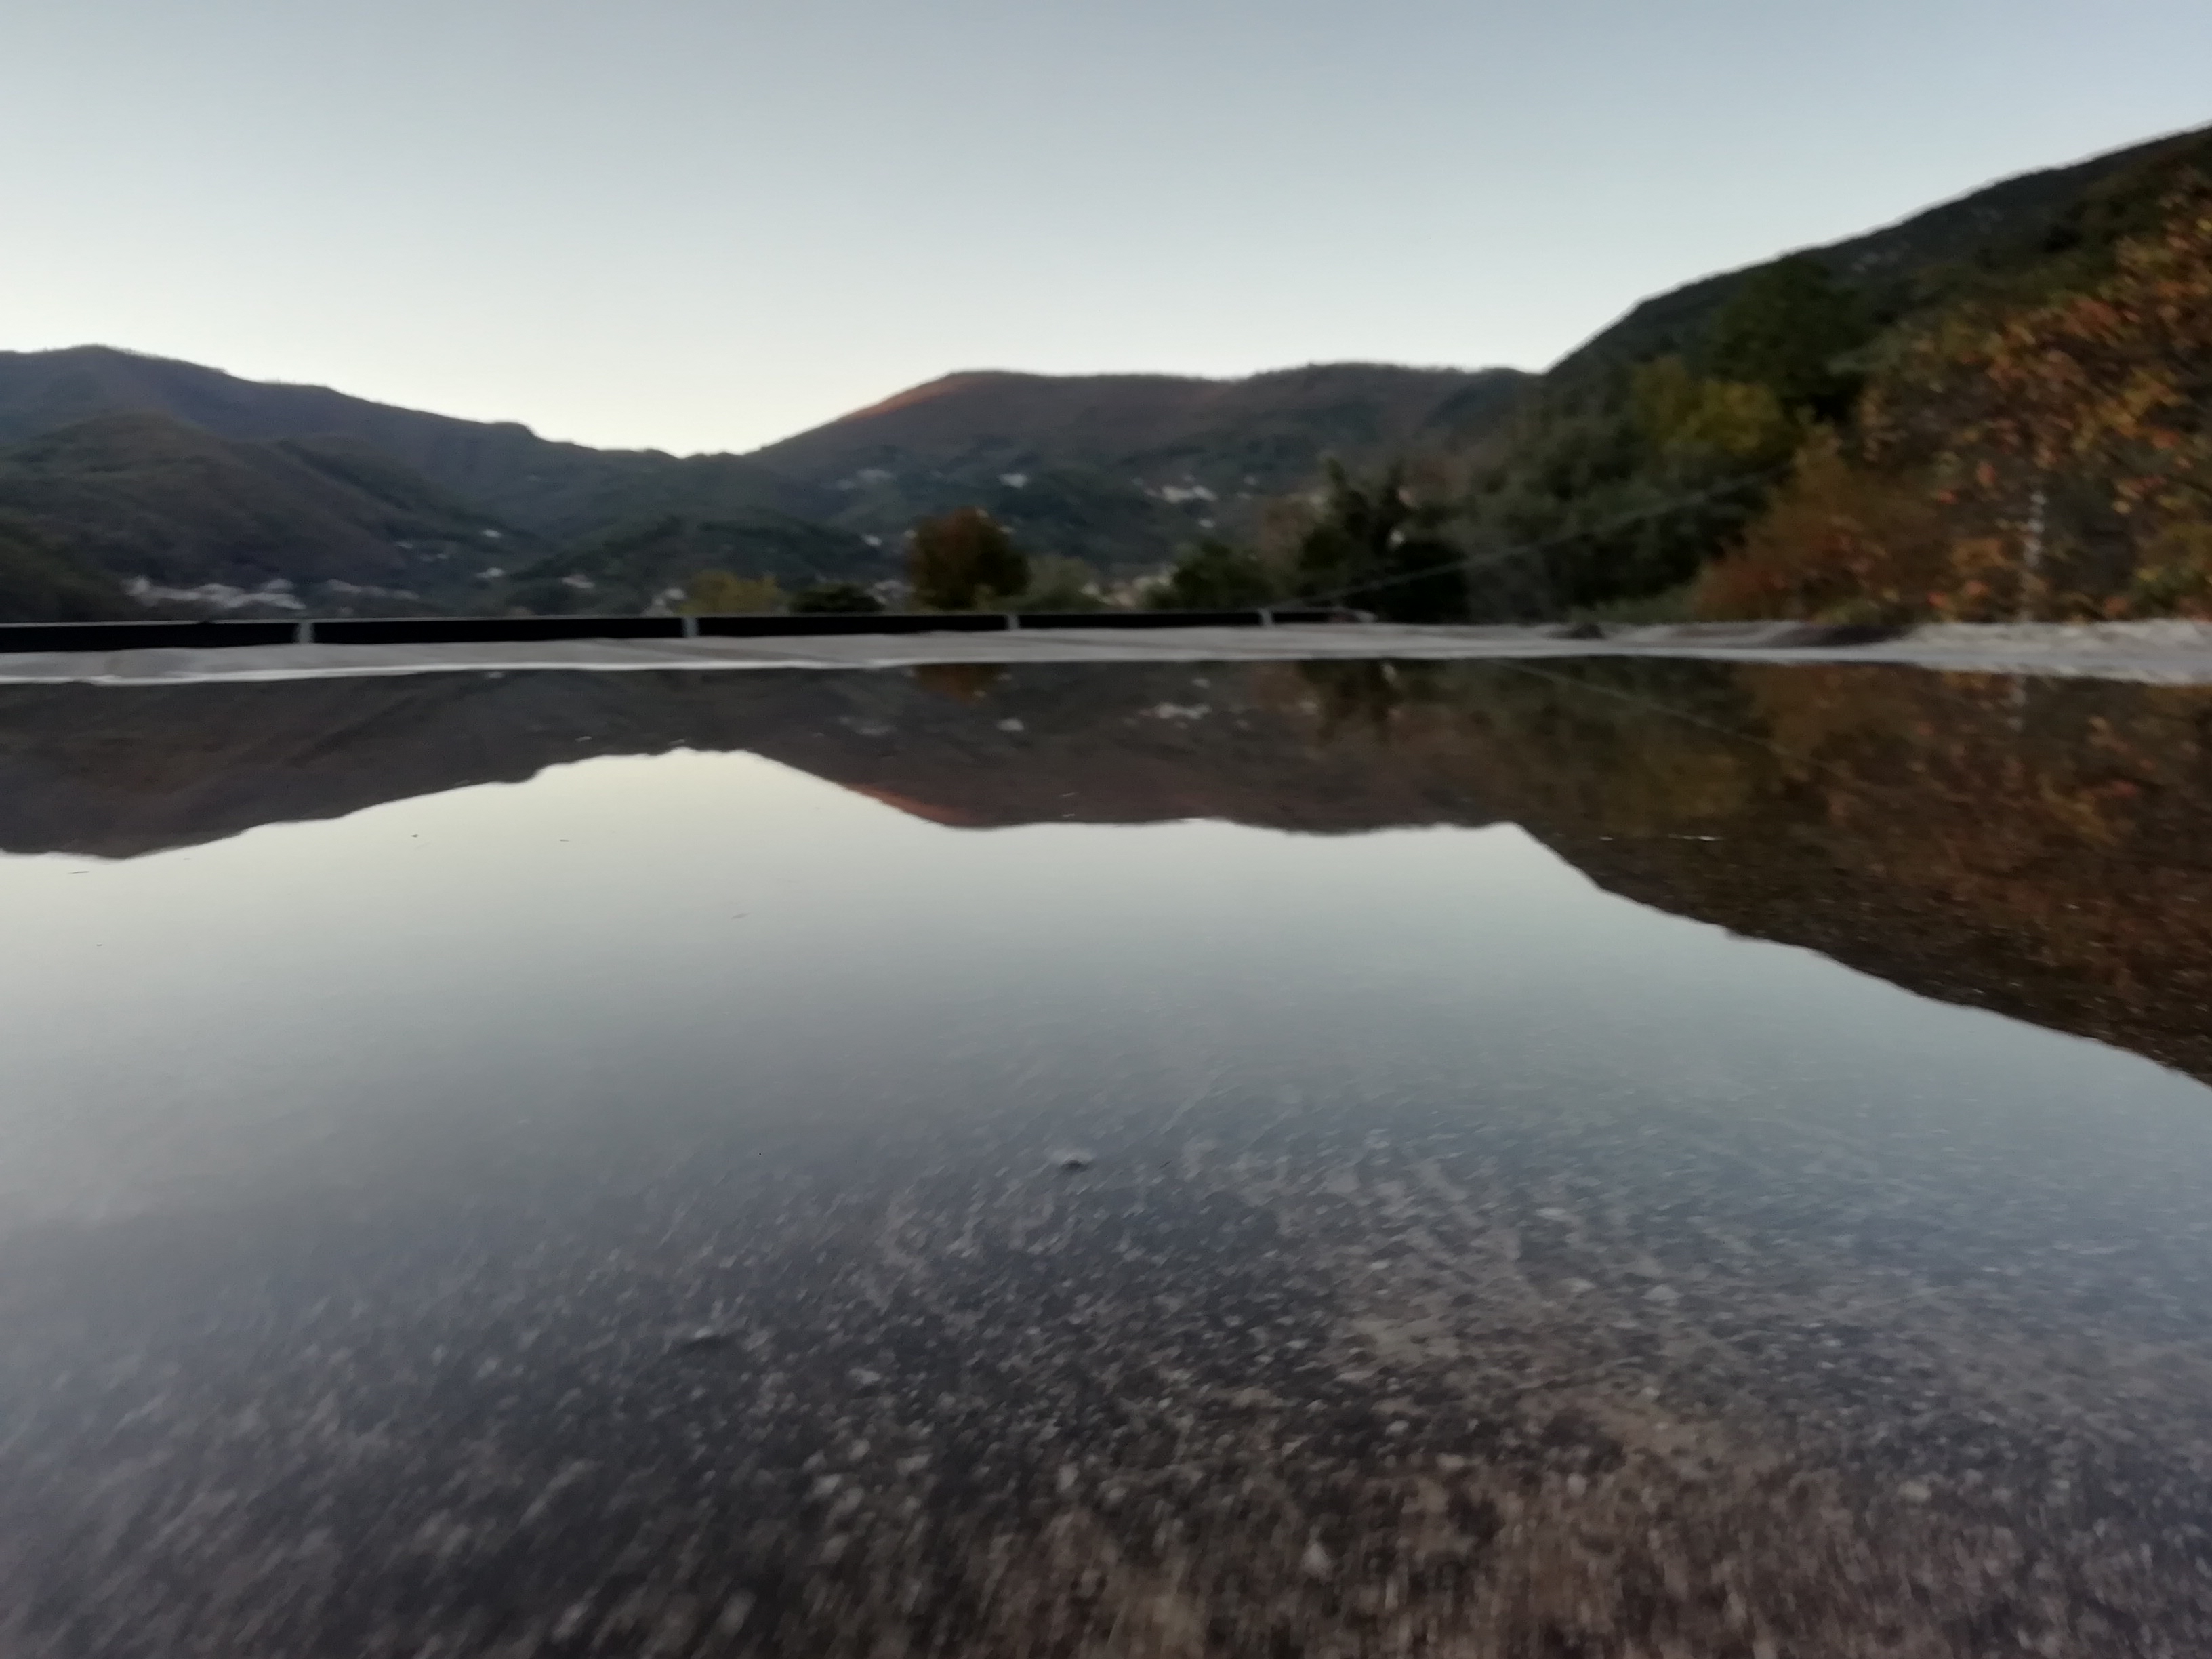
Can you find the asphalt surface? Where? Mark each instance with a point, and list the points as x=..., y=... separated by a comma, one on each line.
x=672, y=1205
x=2158, y=652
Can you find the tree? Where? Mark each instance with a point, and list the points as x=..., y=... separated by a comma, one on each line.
x=835, y=600
x=43, y=581
x=1058, y=584
x=960, y=560
x=1376, y=548
x=1215, y=576
x=1616, y=486
x=1839, y=541
x=2077, y=433
x=1785, y=328
x=2050, y=458
x=1691, y=419
x=720, y=593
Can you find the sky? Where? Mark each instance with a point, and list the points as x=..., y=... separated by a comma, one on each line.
x=706, y=224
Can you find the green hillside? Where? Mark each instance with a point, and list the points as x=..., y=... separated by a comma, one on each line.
x=187, y=476
x=632, y=570
x=142, y=496
x=343, y=526
x=41, y=581
x=1122, y=470
x=558, y=492
x=1881, y=427
x=1662, y=445
x=1902, y=268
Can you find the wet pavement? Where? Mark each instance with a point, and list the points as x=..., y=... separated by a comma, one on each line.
x=2166, y=653
x=1548, y=1159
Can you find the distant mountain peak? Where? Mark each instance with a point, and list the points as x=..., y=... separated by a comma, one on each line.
x=1074, y=463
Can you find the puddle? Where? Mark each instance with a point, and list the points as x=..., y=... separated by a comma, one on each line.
x=1609, y=1157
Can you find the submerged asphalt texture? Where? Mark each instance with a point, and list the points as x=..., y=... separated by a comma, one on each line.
x=1357, y=1343
x=1256, y=1376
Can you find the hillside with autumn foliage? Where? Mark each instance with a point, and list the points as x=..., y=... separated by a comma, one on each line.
x=2014, y=430
x=2043, y=457
x=1994, y=409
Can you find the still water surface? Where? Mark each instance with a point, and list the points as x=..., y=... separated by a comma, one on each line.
x=1637, y=1159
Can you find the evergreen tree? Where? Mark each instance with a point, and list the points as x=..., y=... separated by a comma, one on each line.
x=1377, y=550
x=1785, y=329
x=835, y=600
x=1215, y=576
x=961, y=559
x=720, y=592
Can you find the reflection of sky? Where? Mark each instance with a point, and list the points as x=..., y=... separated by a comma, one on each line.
x=627, y=945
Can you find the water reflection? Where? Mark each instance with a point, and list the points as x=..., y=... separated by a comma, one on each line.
x=2032, y=847
x=839, y=1164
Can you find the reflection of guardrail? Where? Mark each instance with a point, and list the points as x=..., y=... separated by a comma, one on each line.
x=511, y=631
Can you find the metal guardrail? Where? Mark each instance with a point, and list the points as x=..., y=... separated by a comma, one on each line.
x=506, y=630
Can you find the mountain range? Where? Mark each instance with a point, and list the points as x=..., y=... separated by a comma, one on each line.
x=191, y=477
x=1117, y=469
x=198, y=491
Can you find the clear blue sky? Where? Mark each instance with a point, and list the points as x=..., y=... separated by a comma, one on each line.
x=697, y=224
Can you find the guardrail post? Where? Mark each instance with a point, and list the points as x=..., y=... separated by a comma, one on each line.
x=1013, y=619
x=690, y=627
x=303, y=633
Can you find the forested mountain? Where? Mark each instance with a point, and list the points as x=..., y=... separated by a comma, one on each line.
x=144, y=468
x=180, y=508
x=1896, y=269
x=560, y=491
x=1121, y=469
x=41, y=581
x=2000, y=407
x=1711, y=422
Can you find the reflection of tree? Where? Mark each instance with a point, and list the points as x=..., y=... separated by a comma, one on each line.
x=2034, y=847
x=2062, y=819
x=1630, y=748
x=1350, y=696
x=963, y=682
x=1366, y=697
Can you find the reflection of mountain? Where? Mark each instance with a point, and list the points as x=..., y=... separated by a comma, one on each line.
x=2034, y=848
x=116, y=773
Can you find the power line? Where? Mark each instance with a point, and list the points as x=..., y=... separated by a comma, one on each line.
x=1472, y=561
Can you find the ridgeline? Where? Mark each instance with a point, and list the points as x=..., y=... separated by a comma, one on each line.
x=1996, y=409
